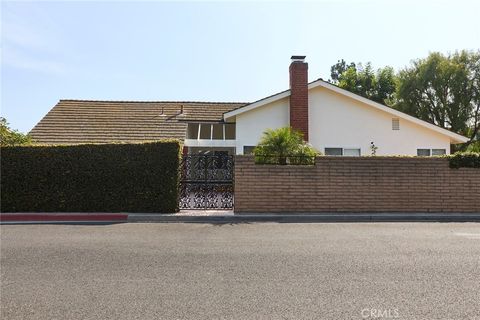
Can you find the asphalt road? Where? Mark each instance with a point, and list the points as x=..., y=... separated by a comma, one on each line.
x=241, y=271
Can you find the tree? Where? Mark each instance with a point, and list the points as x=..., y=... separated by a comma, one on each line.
x=443, y=90
x=474, y=147
x=338, y=69
x=282, y=146
x=386, y=86
x=378, y=86
x=10, y=137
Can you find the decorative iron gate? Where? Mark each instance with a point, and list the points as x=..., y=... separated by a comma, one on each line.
x=206, y=182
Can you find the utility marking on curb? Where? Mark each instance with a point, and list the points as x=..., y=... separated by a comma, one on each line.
x=72, y=222
x=61, y=217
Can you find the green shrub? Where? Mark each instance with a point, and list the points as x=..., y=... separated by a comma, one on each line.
x=90, y=178
x=474, y=147
x=304, y=155
x=284, y=146
x=465, y=159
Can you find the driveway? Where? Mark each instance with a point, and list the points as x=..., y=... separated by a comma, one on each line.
x=241, y=271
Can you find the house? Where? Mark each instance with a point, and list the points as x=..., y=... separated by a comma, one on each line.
x=334, y=121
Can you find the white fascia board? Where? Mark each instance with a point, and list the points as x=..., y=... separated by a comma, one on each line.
x=209, y=143
x=256, y=104
x=456, y=138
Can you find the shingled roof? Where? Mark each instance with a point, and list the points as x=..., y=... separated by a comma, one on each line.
x=84, y=121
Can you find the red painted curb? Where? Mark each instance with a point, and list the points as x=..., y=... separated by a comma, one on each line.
x=63, y=217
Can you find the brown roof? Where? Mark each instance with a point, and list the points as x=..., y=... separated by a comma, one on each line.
x=84, y=121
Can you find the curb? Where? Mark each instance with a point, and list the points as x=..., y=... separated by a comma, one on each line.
x=74, y=218
x=306, y=218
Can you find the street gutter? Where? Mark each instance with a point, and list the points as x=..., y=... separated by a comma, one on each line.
x=202, y=217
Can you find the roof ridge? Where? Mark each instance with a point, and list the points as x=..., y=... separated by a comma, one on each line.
x=151, y=101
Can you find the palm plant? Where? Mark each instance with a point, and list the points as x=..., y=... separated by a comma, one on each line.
x=283, y=145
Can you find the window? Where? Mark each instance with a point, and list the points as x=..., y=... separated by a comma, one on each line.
x=431, y=152
x=229, y=131
x=217, y=132
x=348, y=152
x=351, y=152
x=192, y=131
x=211, y=131
x=423, y=152
x=205, y=131
x=333, y=151
x=395, y=124
x=439, y=152
x=248, y=149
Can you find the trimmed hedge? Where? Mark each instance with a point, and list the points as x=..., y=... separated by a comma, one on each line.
x=91, y=178
x=465, y=159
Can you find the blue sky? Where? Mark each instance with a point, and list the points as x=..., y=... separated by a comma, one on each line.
x=206, y=51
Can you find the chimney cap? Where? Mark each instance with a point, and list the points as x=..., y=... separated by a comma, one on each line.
x=298, y=58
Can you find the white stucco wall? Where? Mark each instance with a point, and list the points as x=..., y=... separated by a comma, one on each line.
x=339, y=121
x=251, y=125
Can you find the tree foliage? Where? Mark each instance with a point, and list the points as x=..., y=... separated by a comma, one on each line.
x=338, y=69
x=284, y=146
x=377, y=85
x=443, y=90
x=473, y=146
x=11, y=137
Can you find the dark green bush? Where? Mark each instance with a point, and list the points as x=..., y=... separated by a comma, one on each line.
x=90, y=178
x=465, y=159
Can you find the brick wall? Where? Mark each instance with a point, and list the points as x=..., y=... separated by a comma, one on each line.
x=365, y=184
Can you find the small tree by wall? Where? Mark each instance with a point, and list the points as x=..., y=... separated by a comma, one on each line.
x=284, y=146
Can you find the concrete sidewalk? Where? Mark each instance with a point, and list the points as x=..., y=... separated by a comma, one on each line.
x=225, y=216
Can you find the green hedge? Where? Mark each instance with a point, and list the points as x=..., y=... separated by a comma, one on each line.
x=91, y=178
x=465, y=159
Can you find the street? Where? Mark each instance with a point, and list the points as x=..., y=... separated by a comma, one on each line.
x=241, y=271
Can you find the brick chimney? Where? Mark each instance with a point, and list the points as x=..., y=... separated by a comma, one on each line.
x=299, y=95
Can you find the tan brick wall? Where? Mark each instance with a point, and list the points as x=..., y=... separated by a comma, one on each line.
x=365, y=184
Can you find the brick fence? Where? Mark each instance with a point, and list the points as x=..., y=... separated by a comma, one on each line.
x=356, y=184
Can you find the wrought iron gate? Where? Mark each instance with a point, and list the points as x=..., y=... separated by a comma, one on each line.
x=206, y=182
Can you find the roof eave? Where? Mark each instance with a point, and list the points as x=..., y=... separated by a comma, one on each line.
x=454, y=137
x=256, y=104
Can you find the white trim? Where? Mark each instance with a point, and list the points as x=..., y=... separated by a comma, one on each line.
x=209, y=143
x=256, y=104
x=456, y=138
